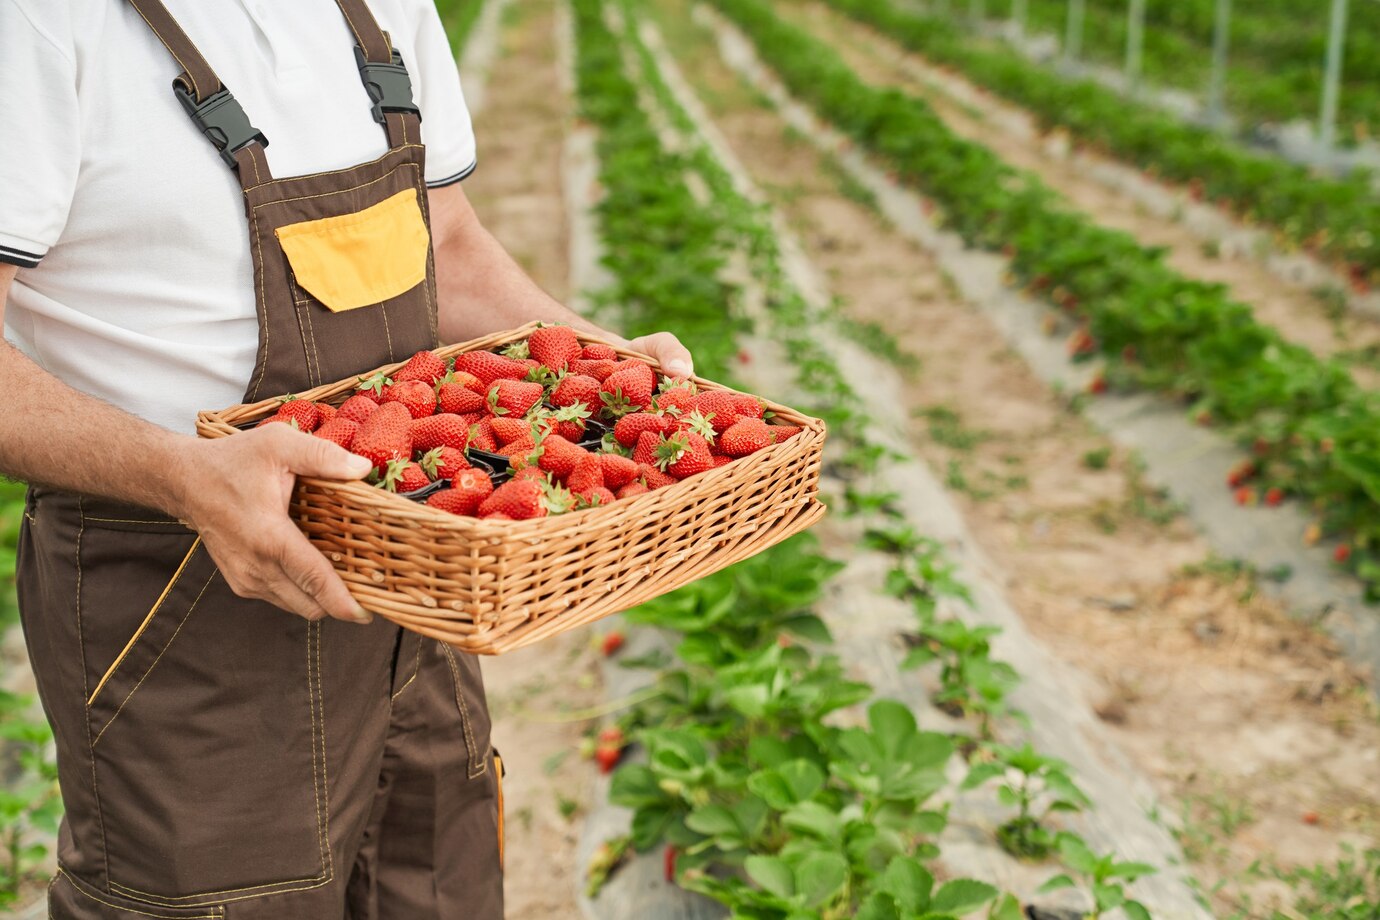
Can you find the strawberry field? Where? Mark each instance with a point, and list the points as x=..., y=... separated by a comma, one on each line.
x=1089, y=630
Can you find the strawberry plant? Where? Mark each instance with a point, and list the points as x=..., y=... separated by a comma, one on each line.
x=30, y=805
x=1036, y=786
x=1103, y=878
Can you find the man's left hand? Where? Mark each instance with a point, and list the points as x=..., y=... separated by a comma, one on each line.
x=673, y=357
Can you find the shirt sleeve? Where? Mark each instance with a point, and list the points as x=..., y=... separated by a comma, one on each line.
x=41, y=152
x=446, y=127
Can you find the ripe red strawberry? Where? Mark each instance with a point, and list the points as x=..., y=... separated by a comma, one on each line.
x=598, y=368
x=618, y=471
x=482, y=437
x=418, y=397
x=576, y=388
x=633, y=489
x=719, y=406
x=676, y=400
x=653, y=477
x=440, y=430
x=748, y=406
x=279, y=419
x=607, y=757
x=668, y=864
x=375, y=386
x=458, y=399
x=596, y=497
x=519, y=499
x=424, y=366
x=405, y=476
x=301, y=411
x=324, y=413
x=518, y=449
x=1273, y=497
x=559, y=456
x=487, y=367
x=385, y=435
x=646, y=450
x=444, y=462
x=468, y=381
x=339, y=431
x=629, y=428
x=357, y=408
x=507, y=430
x=746, y=436
x=586, y=475
x=612, y=642
x=684, y=454
x=1245, y=496
x=513, y=397
x=596, y=351
x=1341, y=554
x=721, y=460
x=785, y=432
x=554, y=346
x=697, y=422
x=629, y=388
x=467, y=492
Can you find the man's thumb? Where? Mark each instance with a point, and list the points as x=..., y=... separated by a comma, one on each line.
x=319, y=457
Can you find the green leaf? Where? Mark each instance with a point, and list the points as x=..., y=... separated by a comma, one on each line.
x=1136, y=910
x=772, y=873
x=1131, y=870
x=892, y=723
x=821, y=876
x=1108, y=896
x=962, y=896
x=1008, y=908
x=713, y=821
x=1076, y=855
x=982, y=773
x=908, y=882
x=1056, y=883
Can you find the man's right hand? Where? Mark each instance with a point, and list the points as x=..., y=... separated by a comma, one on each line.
x=235, y=492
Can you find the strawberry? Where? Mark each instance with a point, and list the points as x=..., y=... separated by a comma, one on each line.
x=628, y=429
x=513, y=397
x=324, y=413
x=468, y=381
x=596, y=497
x=357, y=408
x=440, y=430
x=576, y=388
x=385, y=435
x=1341, y=554
x=425, y=366
x=482, y=437
x=607, y=757
x=1273, y=497
x=1245, y=496
x=719, y=407
x=785, y=432
x=559, y=456
x=683, y=455
x=375, y=386
x=458, y=399
x=596, y=351
x=554, y=346
x=612, y=642
x=618, y=471
x=721, y=460
x=599, y=368
x=405, y=476
x=646, y=450
x=444, y=462
x=534, y=473
x=507, y=430
x=519, y=499
x=284, y=419
x=486, y=367
x=628, y=389
x=517, y=351
x=517, y=449
x=339, y=431
x=654, y=478
x=676, y=400
x=587, y=475
x=746, y=436
x=748, y=406
x=633, y=489
x=301, y=411
x=468, y=490
x=695, y=422
x=418, y=397
x=567, y=421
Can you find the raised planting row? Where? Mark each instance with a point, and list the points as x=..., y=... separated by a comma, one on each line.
x=759, y=798
x=1313, y=431
x=1334, y=217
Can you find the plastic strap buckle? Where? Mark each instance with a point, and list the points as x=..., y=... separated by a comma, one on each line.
x=222, y=119
x=388, y=85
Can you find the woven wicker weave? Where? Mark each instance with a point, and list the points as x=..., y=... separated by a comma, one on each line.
x=488, y=587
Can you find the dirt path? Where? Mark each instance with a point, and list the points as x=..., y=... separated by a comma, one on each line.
x=532, y=692
x=1281, y=735
x=1298, y=314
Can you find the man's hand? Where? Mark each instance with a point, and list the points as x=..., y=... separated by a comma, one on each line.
x=673, y=357
x=235, y=493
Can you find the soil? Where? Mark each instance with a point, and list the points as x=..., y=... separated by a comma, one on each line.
x=1299, y=314
x=1248, y=721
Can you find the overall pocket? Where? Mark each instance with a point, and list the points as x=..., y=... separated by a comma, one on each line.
x=205, y=724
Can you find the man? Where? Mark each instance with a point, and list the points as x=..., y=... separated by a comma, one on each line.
x=220, y=757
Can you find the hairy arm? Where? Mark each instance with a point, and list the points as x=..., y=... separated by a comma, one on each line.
x=482, y=290
x=233, y=491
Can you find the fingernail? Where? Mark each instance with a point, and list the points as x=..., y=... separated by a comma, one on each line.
x=362, y=616
x=358, y=466
x=679, y=369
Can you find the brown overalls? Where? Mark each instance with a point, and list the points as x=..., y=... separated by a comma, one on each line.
x=220, y=758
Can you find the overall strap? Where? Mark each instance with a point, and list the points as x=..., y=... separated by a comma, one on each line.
x=384, y=75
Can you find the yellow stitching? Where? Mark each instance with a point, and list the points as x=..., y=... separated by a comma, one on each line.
x=132, y=521
x=387, y=335
x=215, y=911
x=431, y=300
x=325, y=767
x=333, y=172
x=177, y=57
x=339, y=191
x=30, y=518
x=315, y=777
x=260, y=891
x=311, y=334
x=81, y=646
x=416, y=667
x=262, y=305
x=464, y=714
x=183, y=623
x=358, y=38
x=51, y=882
x=312, y=377
x=144, y=625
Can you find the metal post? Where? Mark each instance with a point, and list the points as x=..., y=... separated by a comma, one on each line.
x=1018, y=15
x=1327, y=127
x=1073, y=34
x=1217, y=84
x=1135, y=44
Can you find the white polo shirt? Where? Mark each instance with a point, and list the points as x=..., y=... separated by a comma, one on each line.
x=136, y=283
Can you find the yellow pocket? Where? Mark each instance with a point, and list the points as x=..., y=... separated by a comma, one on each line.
x=363, y=258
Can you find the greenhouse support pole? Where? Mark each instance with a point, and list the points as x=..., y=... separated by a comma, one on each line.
x=1217, y=83
x=1135, y=45
x=1018, y=14
x=1327, y=123
x=1073, y=34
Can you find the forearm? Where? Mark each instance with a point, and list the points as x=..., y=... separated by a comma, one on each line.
x=57, y=436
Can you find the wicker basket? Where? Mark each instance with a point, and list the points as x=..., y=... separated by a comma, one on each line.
x=488, y=587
